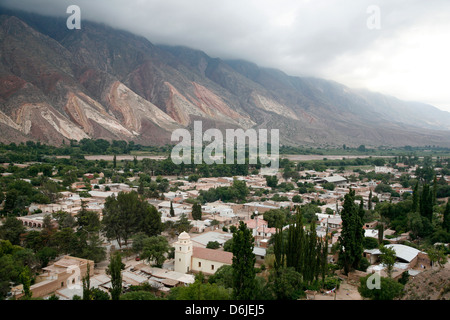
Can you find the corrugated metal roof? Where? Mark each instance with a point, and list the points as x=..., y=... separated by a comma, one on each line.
x=134, y=277
x=403, y=252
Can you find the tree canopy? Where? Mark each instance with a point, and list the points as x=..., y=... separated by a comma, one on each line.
x=127, y=214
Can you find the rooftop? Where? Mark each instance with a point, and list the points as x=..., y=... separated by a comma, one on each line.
x=133, y=278
x=213, y=255
x=403, y=252
x=166, y=274
x=206, y=237
x=334, y=179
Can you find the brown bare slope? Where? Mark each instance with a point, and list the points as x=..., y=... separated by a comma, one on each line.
x=47, y=97
x=432, y=284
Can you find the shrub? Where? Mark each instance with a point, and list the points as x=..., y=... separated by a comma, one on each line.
x=331, y=283
x=213, y=245
x=389, y=289
x=363, y=264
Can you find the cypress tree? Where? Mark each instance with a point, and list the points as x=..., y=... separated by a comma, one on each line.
x=25, y=280
x=172, y=212
x=115, y=271
x=294, y=246
x=197, y=211
x=380, y=228
x=244, y=274
x=304, y=251
x=87, y=294
x=141, y=188
x=278, y=249
x=416, y=197
x=434, y=191
x=426, y=203
x=446, y=221
x=351, y=246
x=310, y=262
x=359, y=235
x=323, y=253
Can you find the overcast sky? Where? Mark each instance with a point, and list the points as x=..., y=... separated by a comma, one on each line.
x=396, y=47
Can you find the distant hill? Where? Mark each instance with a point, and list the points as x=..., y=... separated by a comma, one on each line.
x=58, y=84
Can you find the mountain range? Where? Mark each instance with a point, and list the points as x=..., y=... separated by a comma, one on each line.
x=99, y=82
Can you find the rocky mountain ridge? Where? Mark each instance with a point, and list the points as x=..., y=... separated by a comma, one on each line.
x=98, y=82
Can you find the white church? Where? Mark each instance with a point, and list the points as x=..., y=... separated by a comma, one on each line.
x=190, y=259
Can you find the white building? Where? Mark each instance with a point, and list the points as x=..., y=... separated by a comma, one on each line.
x=195, y=259
x=183, y=253
x=383, y=169
x=217, y=208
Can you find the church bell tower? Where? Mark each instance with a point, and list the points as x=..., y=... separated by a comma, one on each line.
x=183, y=253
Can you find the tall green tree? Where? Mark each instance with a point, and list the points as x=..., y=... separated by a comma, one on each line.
x=11, y=230
x=446, y=219
x=310, y=259
x=197, y=211
x=127, y=214
x=114, y=270
x=91, y=247
x=244, y=283
x=141, y=188
x=272, y=181
x=380, y=228
x=359, y=235
x=183, y=224
x=2, y=196
x=149, y=219
x=416, y=197
x=172, y=212
x=426, y=203
x=154, y=249
x=278, y=249
x=301, y=250
x=415, y=224
x=64, y=219
x=239, y=189
x=25, y=279
x=350, y=246
x=323, y=258
x=434, y=191
x=295, y=243
x=88, y=221
x=65, y=241
x=86, y=280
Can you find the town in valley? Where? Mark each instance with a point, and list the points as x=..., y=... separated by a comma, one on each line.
x=75, y=227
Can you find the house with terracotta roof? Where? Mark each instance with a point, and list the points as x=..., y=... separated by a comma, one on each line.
x=260, y=228
x=196, y=259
